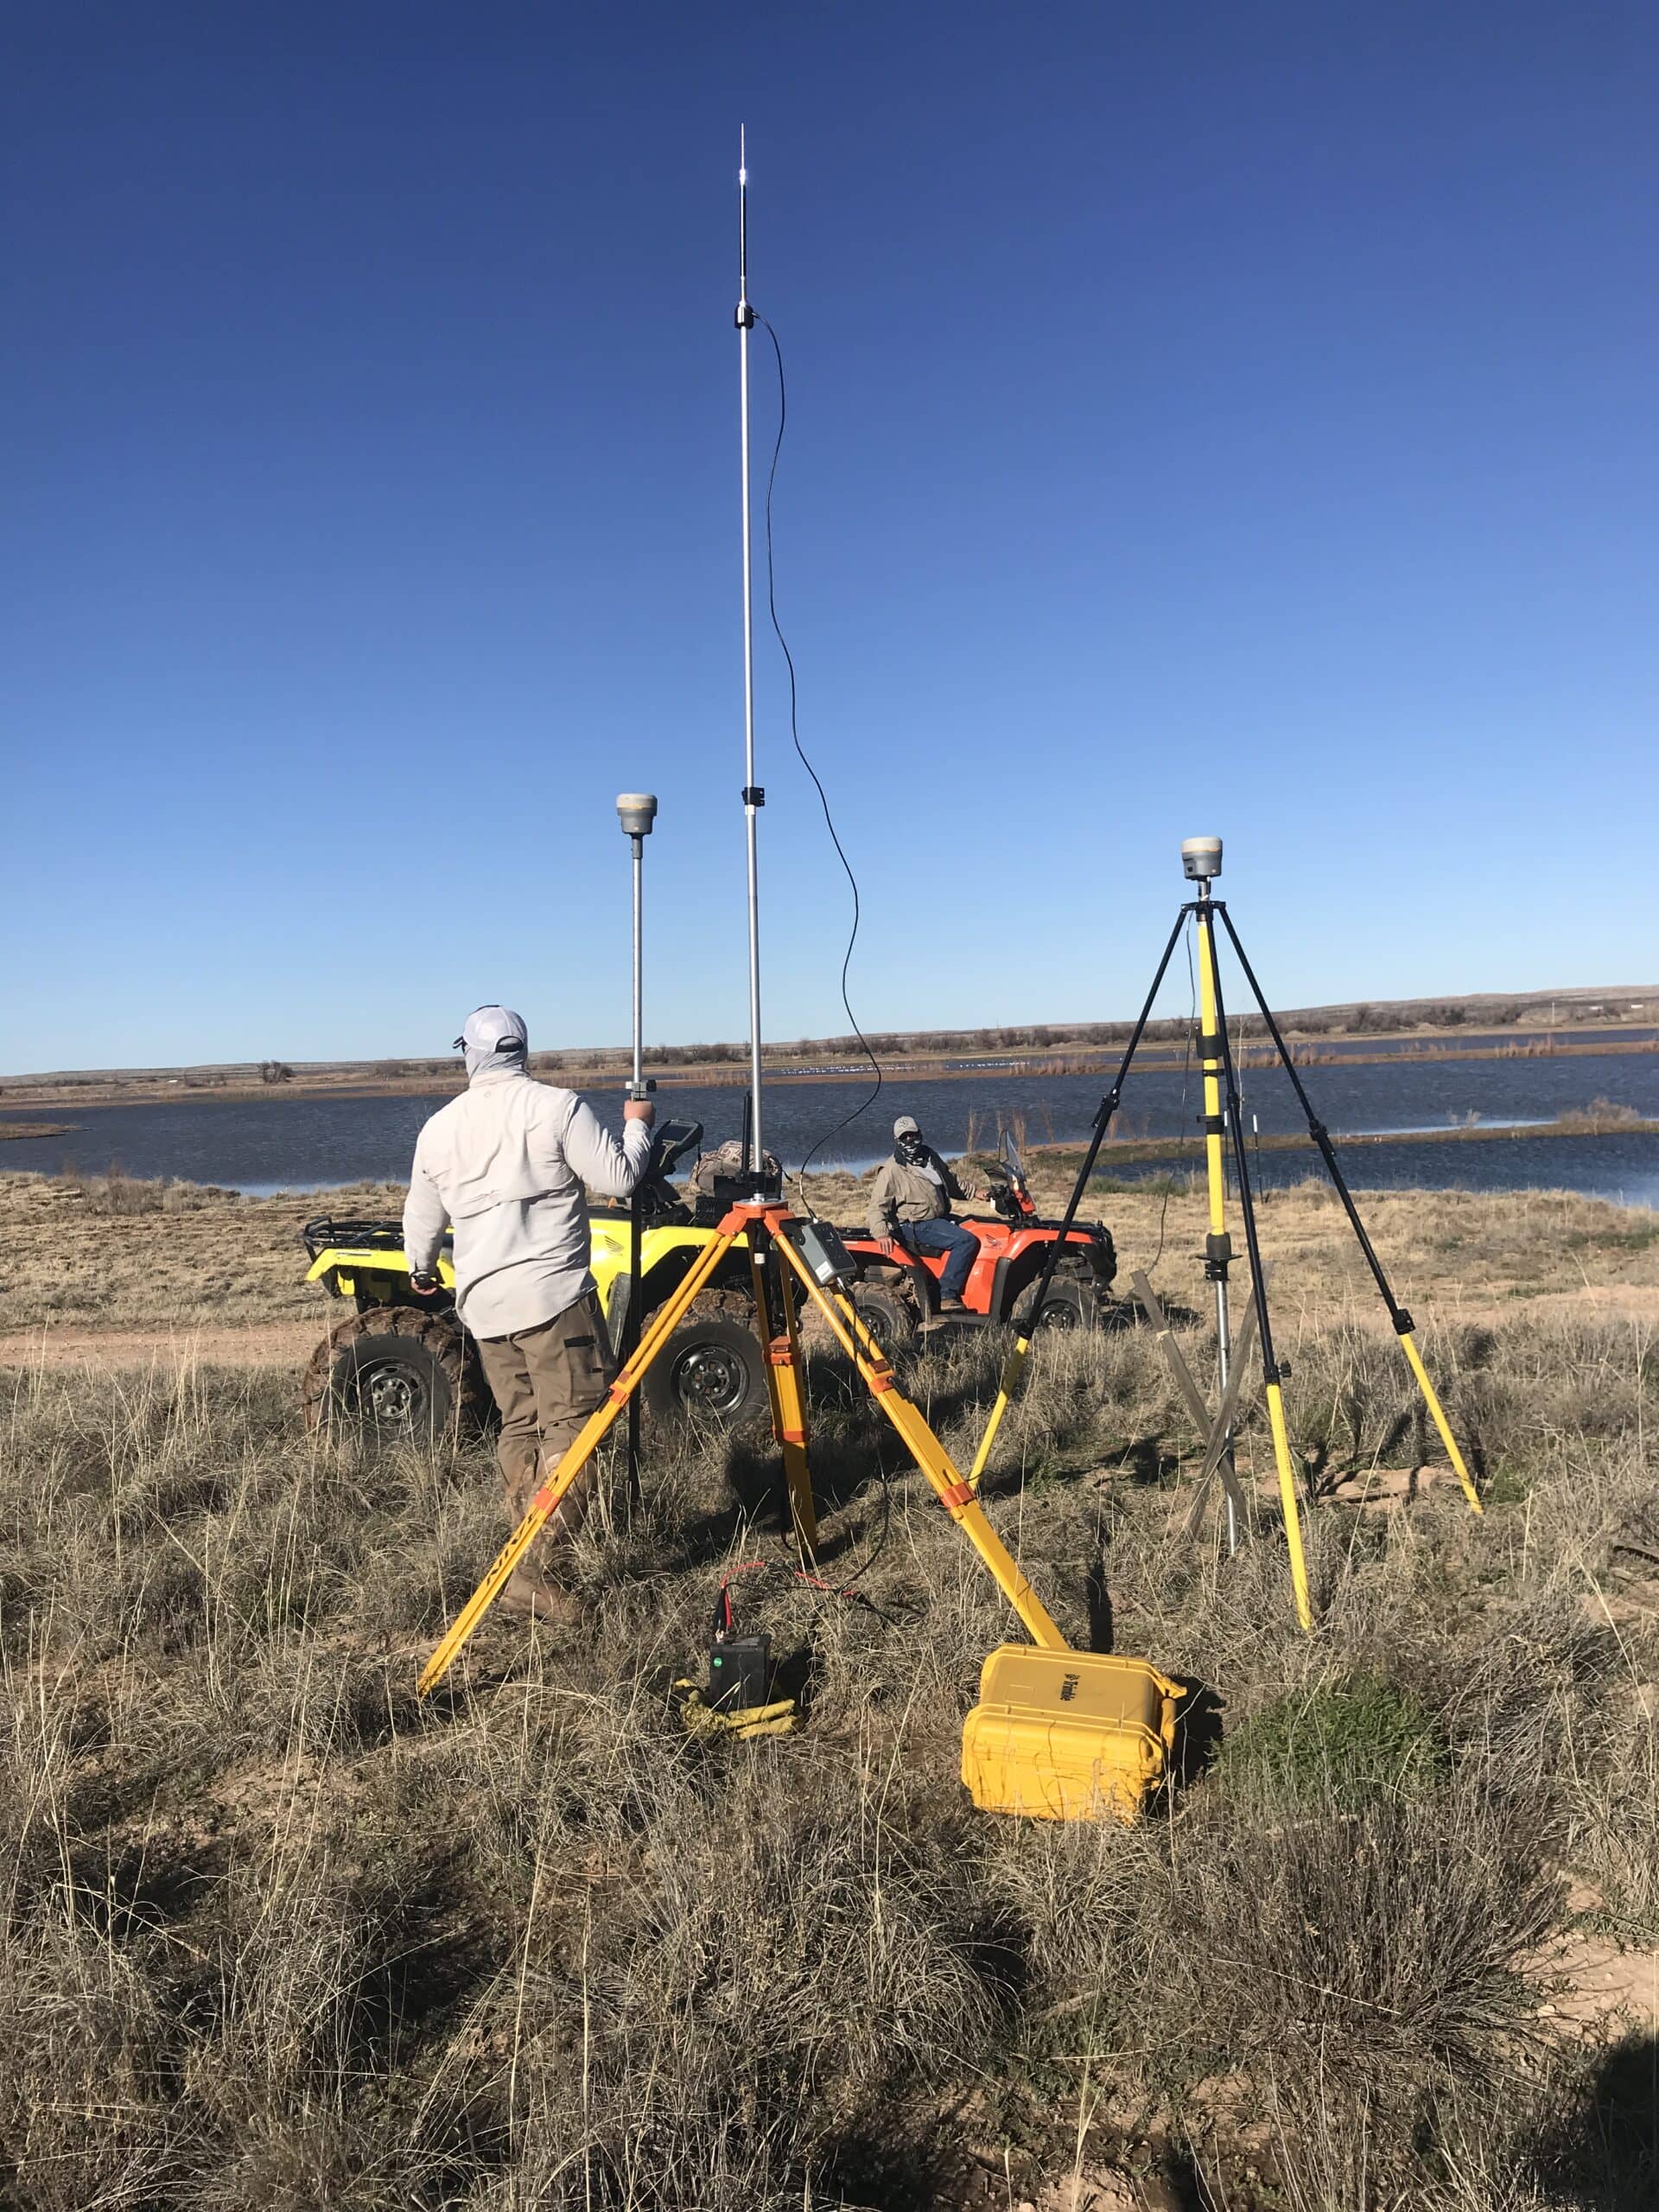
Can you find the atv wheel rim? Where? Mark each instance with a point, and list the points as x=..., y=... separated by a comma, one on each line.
x=391, y=1397
x=880, y=1325
x=710, y=1379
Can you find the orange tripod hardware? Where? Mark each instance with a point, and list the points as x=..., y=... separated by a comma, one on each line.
x=1107, y=1769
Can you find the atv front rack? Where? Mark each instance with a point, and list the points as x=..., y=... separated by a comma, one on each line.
x=328, y=1231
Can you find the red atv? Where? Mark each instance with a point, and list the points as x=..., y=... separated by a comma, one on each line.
x=896, y=1296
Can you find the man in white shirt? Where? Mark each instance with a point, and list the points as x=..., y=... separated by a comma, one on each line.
x=507, y=1164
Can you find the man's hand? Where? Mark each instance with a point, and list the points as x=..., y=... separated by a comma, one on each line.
x=888, y=1246
x=981, y=1197
x=424, y=1286
x=639, y=1110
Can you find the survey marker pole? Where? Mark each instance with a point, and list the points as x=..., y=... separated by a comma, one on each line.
x=1200, y=860
x=636, y=811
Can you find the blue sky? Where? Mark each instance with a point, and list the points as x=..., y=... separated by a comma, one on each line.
x=1201, y=418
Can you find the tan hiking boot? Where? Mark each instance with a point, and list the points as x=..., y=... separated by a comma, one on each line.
x=522, y=1599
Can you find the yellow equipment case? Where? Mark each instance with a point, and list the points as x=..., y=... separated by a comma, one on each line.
x=1067, y=1735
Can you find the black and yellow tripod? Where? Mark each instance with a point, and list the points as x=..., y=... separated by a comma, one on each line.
x=1223, y=1131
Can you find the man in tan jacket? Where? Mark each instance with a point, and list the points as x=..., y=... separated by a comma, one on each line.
x=909, y=1207
x=507, y=1164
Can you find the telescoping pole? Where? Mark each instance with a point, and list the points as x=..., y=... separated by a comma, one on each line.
x=754, y=796
x=1201, y=859
x=636, y=811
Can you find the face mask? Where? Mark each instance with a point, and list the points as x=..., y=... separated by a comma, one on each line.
x=911, y=1148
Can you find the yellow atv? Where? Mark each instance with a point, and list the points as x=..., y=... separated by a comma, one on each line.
x=400, y=1363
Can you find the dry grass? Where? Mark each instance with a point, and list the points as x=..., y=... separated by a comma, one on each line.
x=275, y=1933
x=118, y=1253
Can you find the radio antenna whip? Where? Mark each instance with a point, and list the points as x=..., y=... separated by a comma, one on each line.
x=754, y=796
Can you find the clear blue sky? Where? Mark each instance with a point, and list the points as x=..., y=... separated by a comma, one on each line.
x=1201, y=418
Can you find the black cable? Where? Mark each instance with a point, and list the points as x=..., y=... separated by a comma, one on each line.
x=864, y=1104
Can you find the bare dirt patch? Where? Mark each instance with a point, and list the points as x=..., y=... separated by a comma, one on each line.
x=254, y=1344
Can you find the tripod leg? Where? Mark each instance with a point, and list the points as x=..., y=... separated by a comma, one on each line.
x=1270, y=1372
x=631, y=1344
x=1437, y=1413
x=781, y=1338
x=1217, y=1433
x=1321, y=1136
x=1014, y=1366
x=930, y=1455
x=546, y=1502
x=1191, y=1396
x=1218, y=1453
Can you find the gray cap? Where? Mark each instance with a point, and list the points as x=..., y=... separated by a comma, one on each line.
x=493, y=1029
x=906, y=1125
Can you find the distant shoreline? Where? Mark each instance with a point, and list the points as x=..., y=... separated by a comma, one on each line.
x=1131, y=1151
x=1429, y=1047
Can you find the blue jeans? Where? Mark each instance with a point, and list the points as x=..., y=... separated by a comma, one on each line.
x=960, y=1250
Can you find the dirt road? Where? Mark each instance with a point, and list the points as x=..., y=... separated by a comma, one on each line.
x=265, y=1344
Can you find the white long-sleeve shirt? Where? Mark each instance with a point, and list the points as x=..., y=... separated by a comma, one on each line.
x=506, y=1163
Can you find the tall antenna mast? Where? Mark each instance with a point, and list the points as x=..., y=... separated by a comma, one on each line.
x=754, y=796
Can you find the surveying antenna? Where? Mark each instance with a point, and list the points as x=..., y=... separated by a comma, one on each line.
x=754, y=796
x=790, y=1261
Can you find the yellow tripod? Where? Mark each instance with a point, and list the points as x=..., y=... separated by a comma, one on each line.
x=1223, y=1130
x=769, y=1228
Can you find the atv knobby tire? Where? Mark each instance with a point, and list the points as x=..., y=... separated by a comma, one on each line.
x=889, y=1317
x=712, y=1371
x=1070, y=1303
x=394, y=1372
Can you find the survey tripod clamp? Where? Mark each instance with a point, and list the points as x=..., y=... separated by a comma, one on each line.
x=806, y=1262
x=1224, y=1132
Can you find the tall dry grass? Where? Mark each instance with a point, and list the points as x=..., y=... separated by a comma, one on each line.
x=274, y=1932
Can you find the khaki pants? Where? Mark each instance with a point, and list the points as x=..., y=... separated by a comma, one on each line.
x=546, y=1381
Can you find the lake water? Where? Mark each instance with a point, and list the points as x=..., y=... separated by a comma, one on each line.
x=268, y=1144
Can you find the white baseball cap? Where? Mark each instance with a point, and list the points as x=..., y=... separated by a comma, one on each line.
x=493, y=1029
x=906, y=1125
